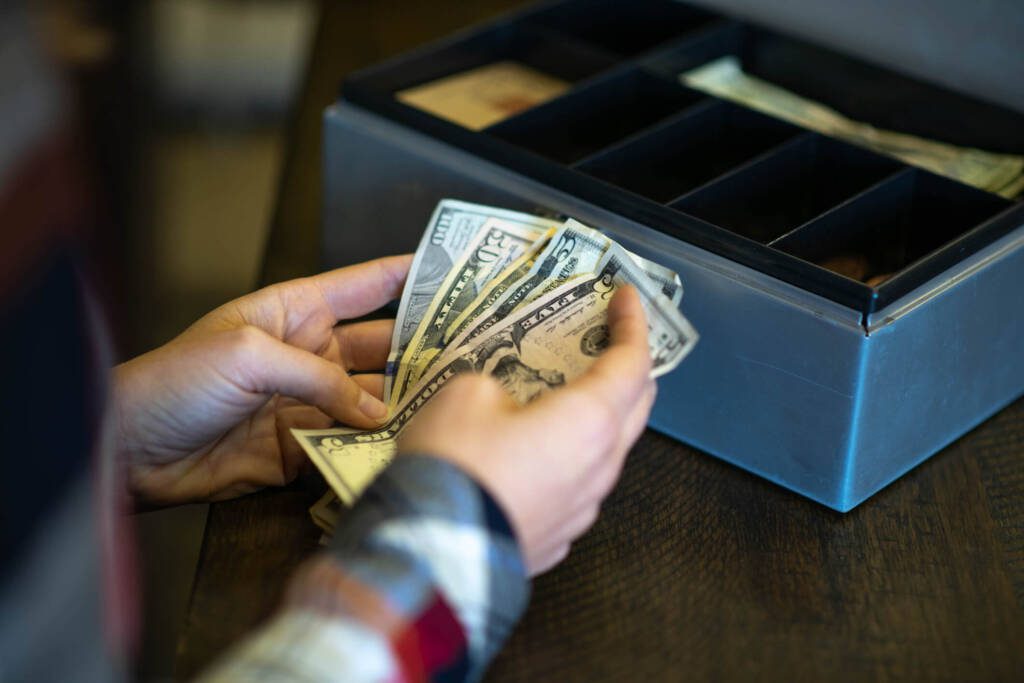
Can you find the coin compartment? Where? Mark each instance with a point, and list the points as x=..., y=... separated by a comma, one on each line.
x=781, y=191
x=690, y=150
x=898, y=222
x=599, y=114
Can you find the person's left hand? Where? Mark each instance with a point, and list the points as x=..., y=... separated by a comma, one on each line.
x=206, y=416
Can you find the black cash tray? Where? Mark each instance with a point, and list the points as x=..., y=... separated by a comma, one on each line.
x=628, y=137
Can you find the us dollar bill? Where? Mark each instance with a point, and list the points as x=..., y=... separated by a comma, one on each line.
x=496, y=288
x=1001, y=174
x=544, y=345
x=453, y=226
x=667, y=280
x=568, y=321
x=572, y=251
x=498, y=243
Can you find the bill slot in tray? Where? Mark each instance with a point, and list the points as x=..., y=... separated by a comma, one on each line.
x=781, y=191
x=623, y=28
x=484, y=78
x=860, y=91
x=910, y=217
x=702, y=144
x=602, y=113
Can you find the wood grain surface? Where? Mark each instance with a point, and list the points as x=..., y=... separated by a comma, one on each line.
x=695, y=570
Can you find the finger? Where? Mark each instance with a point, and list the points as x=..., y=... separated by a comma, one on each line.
x=571, y=525
x=546, y=560
x=582, y=520
x=296, y=416
x=248, y=475
x=423, y=434
x=364, y=346
x=635, y=423
x=290, y=414
x=372, y=383
x=356, y=290
x=620, y=374
x=265, y=365
x=608, y=469
x=249, y=457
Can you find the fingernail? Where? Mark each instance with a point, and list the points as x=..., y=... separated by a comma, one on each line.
x=371, y=407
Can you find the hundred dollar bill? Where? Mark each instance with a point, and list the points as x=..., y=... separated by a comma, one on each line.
x=542, y=346
x=1002, y=174
x=453, y=226
x=497, y=244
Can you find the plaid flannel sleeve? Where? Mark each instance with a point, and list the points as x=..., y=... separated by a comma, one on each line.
x=423, y=581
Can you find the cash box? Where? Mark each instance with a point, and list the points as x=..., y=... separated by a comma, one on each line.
x=819, y=381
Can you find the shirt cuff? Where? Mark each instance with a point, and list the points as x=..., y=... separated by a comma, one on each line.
x=425, y=530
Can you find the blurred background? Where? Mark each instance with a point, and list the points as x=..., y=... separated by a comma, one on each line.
x=200, y=119
x=183, y=108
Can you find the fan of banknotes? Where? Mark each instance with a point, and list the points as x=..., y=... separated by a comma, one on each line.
x=516, y=296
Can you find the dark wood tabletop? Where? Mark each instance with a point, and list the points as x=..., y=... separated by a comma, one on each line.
x=696, y=570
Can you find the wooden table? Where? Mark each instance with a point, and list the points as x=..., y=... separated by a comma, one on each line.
x=695, y=570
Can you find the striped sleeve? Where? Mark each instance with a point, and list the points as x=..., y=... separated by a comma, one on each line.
x=423, y=582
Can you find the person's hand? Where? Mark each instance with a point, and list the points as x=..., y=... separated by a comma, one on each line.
x=206, y=416
x=549, y=464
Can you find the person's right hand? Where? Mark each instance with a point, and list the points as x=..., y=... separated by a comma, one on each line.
x=548, y=464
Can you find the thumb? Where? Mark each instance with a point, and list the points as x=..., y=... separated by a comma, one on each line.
x=266, y=365
x=619, y=376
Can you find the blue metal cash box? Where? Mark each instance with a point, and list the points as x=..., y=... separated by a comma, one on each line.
x=809, y=378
